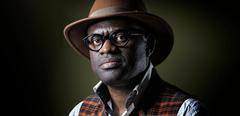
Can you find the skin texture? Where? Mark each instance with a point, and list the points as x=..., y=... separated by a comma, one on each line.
x=120, y=68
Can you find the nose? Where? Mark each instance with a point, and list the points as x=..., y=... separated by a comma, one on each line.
x=107, y=47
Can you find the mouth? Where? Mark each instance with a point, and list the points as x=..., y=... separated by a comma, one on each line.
x=110, y=64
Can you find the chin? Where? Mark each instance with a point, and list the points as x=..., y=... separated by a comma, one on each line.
x=116, y=83
x=111, y=76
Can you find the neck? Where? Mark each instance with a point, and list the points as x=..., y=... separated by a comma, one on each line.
x=119, y=98
x=119, y=93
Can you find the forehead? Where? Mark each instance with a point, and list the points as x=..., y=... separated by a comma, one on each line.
x=109, y=25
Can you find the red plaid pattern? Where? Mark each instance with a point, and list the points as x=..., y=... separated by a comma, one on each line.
x=166, y=104
x=159, y=99
x=92, y=106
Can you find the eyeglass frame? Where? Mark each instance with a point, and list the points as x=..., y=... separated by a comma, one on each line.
x=127, y=32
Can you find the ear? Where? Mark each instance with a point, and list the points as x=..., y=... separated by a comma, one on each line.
x=150, y=47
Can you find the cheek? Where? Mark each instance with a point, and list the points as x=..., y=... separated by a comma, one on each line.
x=93, y=61
x=135, y=57
x=140, y=58
x=137, y=51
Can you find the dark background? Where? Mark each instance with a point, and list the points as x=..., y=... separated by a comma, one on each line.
x=43, y=76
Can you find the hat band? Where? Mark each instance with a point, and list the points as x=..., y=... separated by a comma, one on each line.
x=110, y=10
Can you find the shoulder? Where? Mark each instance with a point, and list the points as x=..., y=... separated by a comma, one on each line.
x=172, y=93
x=188, y=105
x=192, y=107
x=161, y=93
x=163, y=98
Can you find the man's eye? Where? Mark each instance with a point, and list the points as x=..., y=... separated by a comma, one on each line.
x=121, y=38
x=95, y=40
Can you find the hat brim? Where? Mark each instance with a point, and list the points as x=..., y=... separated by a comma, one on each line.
x=77, y=30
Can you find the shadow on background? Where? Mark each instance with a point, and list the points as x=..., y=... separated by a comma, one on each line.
x=45, y=77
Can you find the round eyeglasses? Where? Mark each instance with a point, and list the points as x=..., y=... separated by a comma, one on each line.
x=119, y=38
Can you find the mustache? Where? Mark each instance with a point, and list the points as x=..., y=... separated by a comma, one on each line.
x=109, y=58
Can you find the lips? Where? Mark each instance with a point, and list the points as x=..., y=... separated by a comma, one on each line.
x=110, y=63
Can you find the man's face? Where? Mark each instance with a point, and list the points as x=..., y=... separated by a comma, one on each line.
x=117, y=65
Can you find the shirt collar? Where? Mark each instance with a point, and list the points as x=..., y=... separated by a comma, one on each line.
x=133, y=98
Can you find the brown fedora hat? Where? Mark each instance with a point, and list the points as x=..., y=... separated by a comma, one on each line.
x=134, y=9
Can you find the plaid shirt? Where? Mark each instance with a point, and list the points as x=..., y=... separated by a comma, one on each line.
x=152, y=96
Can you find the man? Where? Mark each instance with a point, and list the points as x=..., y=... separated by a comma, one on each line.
x=124, y=43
